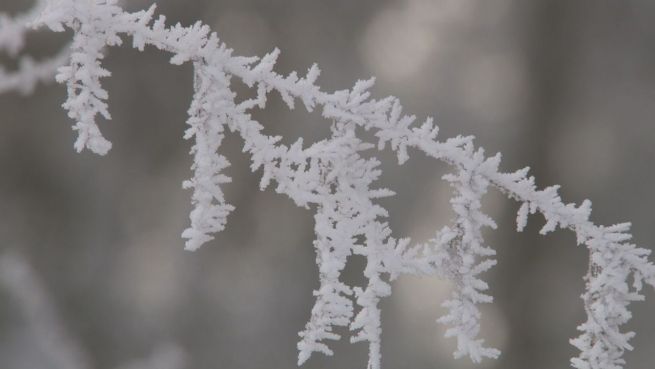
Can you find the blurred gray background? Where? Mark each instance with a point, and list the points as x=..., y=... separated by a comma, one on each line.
x=566, y=87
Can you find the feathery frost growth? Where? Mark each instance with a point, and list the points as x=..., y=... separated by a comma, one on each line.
x=336, y=180
x=12, y=40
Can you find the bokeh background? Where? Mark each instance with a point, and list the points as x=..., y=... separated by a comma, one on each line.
x=97, y=273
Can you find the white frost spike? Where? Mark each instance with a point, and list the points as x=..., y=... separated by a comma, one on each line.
x=333, y=307
x=522, y=216
x=206, y=120
x=86, y=97
x=467, y=258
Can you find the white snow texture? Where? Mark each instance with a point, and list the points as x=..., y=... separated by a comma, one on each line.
x=333, y=178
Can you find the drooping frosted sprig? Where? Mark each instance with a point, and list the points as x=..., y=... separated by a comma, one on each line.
x=468, y=257
x=86, y=96
x=207, y=120
x=333, y=178
x=338, y=224
x=607, y=296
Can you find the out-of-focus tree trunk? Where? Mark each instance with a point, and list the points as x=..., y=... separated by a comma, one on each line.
x=537, y=337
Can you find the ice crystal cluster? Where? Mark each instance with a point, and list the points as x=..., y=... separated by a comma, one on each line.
x=335, y=178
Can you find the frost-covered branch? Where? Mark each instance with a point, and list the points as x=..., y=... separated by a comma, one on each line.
x=468, y=257
x=608, y=295
x=31, y=72
x=333, y=178
x=13, y=31
x=207, y=120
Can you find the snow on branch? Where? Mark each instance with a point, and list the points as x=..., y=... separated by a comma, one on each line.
x=334, y=179
x=468, y=257
x=13, y=31
x=207, y=119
